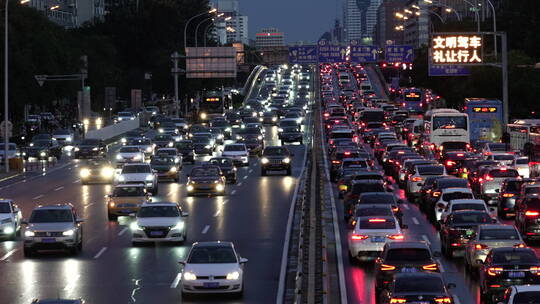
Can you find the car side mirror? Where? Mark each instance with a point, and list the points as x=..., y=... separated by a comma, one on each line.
x=79, y=220
x=494, y=221
x=16, y=210
x=243, y=260
x=185, y=214
x=451, y=285
x=437, y=254
x=154, y=171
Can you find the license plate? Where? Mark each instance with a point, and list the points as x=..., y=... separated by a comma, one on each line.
x=211, y=285
x=516, y=274
x=409, y=269
x=377, y=239
x=156, y=233
x=48, y=240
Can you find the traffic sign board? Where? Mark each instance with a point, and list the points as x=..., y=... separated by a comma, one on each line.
x=399, y=53
x=303, y=54
x=328, y=53
x=363, y=53
x=448, y=70
x=40, y=79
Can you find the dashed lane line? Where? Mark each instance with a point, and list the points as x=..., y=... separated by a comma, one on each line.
x=233, y=192
x=38, y=197
x=425, y=238
x=176, y=280
x=100, y=253
x=59, y=188
x=217, y=213
x=122, y=231
x=240, y=184
x=8, y=254
x=205, y=229
x=415, y=221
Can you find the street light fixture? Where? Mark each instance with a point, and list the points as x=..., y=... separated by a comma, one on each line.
x=212, y=11
x=55, y=7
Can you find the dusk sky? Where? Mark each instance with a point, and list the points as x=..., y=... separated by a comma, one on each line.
x=304, y=20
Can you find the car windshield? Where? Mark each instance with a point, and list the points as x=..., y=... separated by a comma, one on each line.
x=220, y=123
x=453, y=182
x=184, y=145
x=51, y=216
x=522, y=161
x=212, y=255
x=532, y=190
x=61, y=132
x=288, y=123
x=527, y=297
x=513, y=186
x=449, y=122
x=498, y=173
x=235, y=148
x=419, y=285
x=498, y=234
x=374, y=211
x=430, y=170
x=158, y=211
x=367, y=187
x=140, y=142
x=129, y=150
x=136, y=169
x=408, y=255
x=457, y=207
x=200, y=140
x=470, y=218
x=5, y=208
x=515, y=257
x=290, y=130
x=503, y=157
x=90, y=142
x=41, y=143
x=162, y=137
x=454, y=146
x=129, y=191
x=456, y=195
x=275, y=151
x=225, y=162
x=196, y=172
x=377, y=223
x=377, y=199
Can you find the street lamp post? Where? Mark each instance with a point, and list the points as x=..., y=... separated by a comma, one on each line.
x=6, y=131
x=203, y=21
x=494, y=26
x=190, y=19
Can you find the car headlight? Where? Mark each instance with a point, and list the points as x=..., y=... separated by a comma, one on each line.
x=280, y=130
x=69, y=138
x=107, y=172
x=134, y=226
x=171, y=144
x=235, y=275
x=95, y=149
x=286, y=160
x=203, y=116
x=69, y=232
x=207, y=147
x=173, y=169
x=29, y=233
x=121, y=178
x=228, y=129
x=220, y=136
x=137, y=157
x=186, y=127
x=42, y=154
x=238, y=137
x=118, y=157
x=254, y=114
x=99, y=121
x=6, y=221
x=9, y=230
x=190, y=188
x=160, y=130
x=149, y=178
x=85, y=172
x=31, y=144
x=179, y=226
x=188, y=276
x=261, y=119
x=274, y=118
x=259, y=137
x=220, y=187
x=76, y=149
x=264, y=160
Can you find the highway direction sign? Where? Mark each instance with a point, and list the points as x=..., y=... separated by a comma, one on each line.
x=303, y=54
x=399, y=53
x=331, y=53
x=363, y=53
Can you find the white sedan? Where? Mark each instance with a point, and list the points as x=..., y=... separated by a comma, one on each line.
x=370, y=234
x=213, y=267
x=238, y=153
x=10, y=219
x=159, y=222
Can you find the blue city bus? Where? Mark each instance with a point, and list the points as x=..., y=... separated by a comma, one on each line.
x=486, y=118
x=412, y=100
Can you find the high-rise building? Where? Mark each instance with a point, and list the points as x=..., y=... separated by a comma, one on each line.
x=269, y=37
x=360, y=17
x=385, y=29
x=236, y=28
x=416, y=26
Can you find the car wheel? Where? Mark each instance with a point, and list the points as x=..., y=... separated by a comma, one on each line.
x=28, y=252
x=74, y=250
x=289, y=171
x=112, y=217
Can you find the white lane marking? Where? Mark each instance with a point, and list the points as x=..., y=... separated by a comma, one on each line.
x=233, y=192
x=59, y=188
x=72, y=283
x=170, y=193
x=245, y=177
x=217, y=213
x=176, y=280
x=415, y=221
x=425, y=238
x=284, y=255
x=250, y=170
x=205, y=229
x=76, y=181
x=86, y=206
x=239, y=184
x=122, y=231
x=8, y=254
x=100, y=253
x=38, y=197
x=406, y=206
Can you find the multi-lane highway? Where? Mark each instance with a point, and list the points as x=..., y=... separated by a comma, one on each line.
x=253, y=214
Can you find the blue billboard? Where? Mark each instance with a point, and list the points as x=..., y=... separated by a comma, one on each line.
x=399, y=53
x=329, y=53
x=303, y=54
x=363, y=53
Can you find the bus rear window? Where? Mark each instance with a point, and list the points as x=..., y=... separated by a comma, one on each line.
x=450, y=122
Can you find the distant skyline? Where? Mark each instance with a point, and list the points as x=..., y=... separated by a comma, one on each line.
x=300, y=20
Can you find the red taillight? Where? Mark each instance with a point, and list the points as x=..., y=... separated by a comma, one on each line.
x=432, y=267
x=376, y=220
x=436, y=194
x=480, y=246
x=397, y=300
x=494, y=271
x=535, y=270
x=358, y=237
x=460, y=154
x=443, y=300
x=417, y=179
x=395, y=209
x=450, y=163
x=488, y=178
x=532, y=213
x=347, y=153
x=520, y=245
x=508, y=195
x=385, y=267
x=335, y=162
x=396, y=237
x=326, y=114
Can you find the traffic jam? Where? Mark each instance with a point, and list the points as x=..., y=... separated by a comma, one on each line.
x=437, y=205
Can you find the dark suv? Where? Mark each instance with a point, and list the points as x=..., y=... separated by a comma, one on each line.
x=528, y=217
x=459, y=227
x=90, y=148
x=276, y=158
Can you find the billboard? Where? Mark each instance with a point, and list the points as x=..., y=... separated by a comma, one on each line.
x=211, y=62
x=456, y=49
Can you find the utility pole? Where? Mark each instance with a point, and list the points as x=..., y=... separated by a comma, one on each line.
x=6, y=95
x=176, y=71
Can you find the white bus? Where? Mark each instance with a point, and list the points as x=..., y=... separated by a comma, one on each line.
x=446, y=125
x=523, y=131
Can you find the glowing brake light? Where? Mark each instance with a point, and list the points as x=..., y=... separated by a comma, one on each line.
x=535, y=270
x=436, y=194
x=385, y=267
x=335, y=162
x=376, y=220
x=396, y=237
x=450, y=163
x=494, y=271
x=397, y=300
x=532, y=213
x=489, y=178
x=443, y=300
x=358, y=237
x=347, y=153
x=460, y=154
x=508, y=195
x=417, y=179
x=433, y=267
x=520, y=245
x=480, y=246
